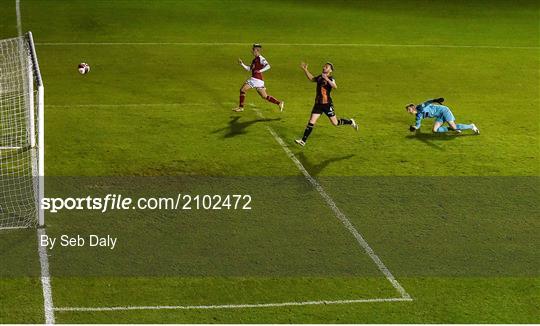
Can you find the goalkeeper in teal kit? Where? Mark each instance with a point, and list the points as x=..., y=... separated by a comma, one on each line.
x=442, y=114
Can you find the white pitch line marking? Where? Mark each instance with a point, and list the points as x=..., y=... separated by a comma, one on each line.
x=128, y=105
x=231, y=306
x=48, y=306
x=45, y=280
x=19, y=21
x=339, y=214
x=13, y=227
x=295, y=44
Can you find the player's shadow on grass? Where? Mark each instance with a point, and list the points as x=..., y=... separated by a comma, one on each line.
x=315, y=168
x=236, y=127
x=427, y=138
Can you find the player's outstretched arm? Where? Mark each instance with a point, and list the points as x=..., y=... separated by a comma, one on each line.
x=246, y=67
x=304, y=67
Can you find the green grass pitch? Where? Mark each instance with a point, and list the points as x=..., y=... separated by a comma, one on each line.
x=454, y=218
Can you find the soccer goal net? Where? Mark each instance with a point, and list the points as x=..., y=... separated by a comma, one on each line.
x=21, y=134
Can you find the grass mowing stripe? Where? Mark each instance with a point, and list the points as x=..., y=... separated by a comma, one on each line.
x=339, y=214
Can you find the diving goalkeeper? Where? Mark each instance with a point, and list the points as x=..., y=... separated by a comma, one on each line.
x=442, y=114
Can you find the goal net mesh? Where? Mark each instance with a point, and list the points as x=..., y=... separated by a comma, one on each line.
x=18, y=135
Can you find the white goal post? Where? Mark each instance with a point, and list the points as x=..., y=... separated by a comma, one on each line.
x=22, y=139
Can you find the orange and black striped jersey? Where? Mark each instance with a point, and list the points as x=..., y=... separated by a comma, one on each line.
x=323, y=90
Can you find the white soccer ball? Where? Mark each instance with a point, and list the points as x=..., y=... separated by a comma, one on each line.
x=84, y=68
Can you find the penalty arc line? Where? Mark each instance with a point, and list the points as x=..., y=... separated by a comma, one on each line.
x=339, y=214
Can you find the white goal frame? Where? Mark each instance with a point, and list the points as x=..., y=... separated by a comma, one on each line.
x=40, y=130
x=36, y=146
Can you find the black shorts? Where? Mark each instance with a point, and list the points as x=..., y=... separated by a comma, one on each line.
x=327, y=109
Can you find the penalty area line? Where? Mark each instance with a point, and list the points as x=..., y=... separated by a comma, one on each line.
x=374, y=45
x=128, y=105
x=339, y=214
x=230, y=306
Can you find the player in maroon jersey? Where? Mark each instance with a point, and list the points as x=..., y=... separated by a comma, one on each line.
x=323, y=101
x=258, y=66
